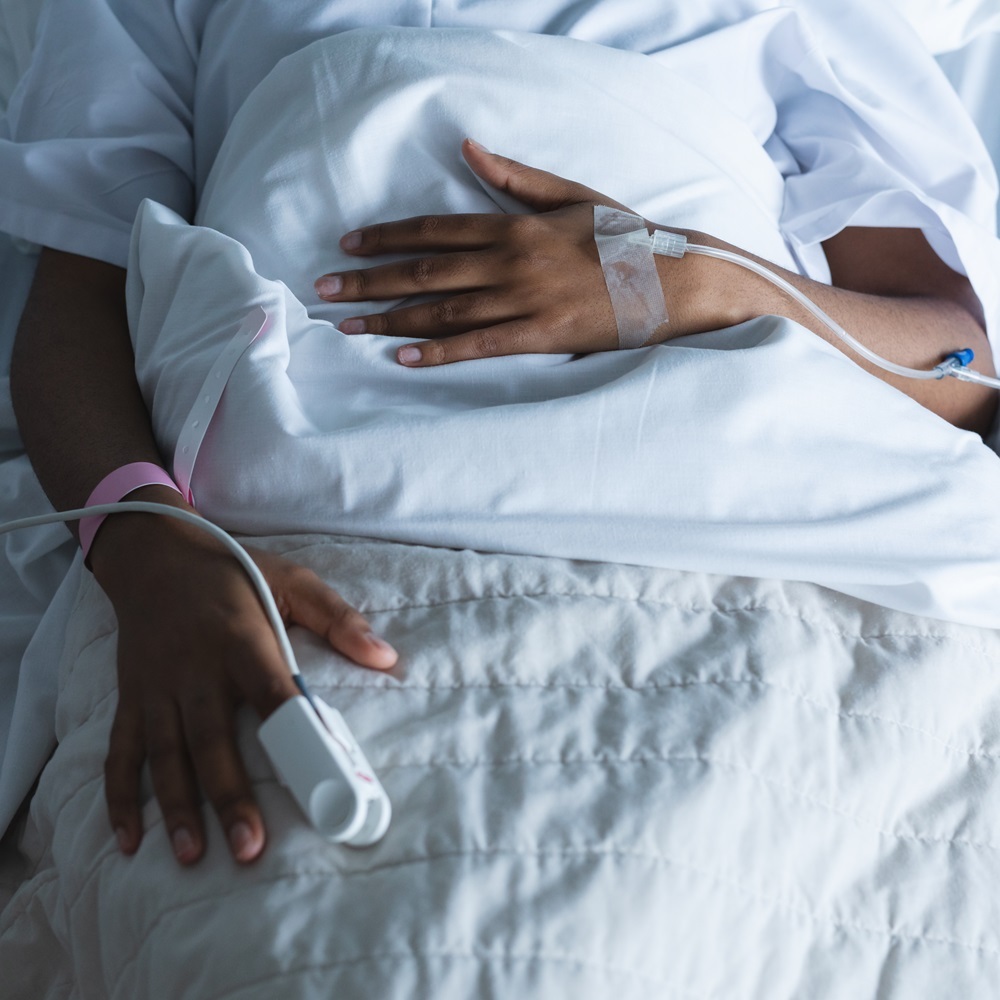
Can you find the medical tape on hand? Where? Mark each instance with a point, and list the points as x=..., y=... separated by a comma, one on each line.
x=626, y=252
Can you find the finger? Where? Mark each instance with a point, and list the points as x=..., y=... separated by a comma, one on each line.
x=447, y=272
x=446, y=317
x=210, y=730
x=174, y=782
x=315, y=606
x=535, y=188
x=425, y=232
x=515, y=337
x=121, y=777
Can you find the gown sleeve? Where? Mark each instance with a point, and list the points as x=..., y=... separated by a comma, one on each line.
x=100, y=120
x=865, y=130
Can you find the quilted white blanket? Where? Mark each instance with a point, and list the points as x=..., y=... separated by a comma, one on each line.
x=607, y=781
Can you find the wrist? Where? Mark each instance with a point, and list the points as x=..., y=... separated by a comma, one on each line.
x=702, y=293
x=115, y=553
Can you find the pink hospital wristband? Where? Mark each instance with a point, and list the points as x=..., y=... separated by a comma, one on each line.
x=114, y=487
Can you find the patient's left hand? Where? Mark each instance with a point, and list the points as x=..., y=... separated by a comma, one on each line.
x=512, y=284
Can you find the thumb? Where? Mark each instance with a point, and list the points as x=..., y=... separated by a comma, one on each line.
x=304, y=599
x=537, y=189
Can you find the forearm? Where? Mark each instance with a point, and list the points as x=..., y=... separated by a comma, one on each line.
x=73, y=382
x=73, y=385
x=900, y=324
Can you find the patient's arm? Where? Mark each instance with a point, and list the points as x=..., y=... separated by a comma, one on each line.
x=520, y=284
x=193, y=639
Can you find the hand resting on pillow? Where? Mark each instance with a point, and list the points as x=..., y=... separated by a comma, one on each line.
x=516, y=284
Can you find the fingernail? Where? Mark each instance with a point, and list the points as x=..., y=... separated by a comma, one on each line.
x=241, y=840
x=331, y=284
x=477, y=145
x=124, y=840
x=351, y=241
x=352, y=326
x=408, y=355
x=379, y=643
x=184, y=846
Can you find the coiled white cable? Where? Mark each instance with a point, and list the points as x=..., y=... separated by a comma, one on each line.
x=955, y=365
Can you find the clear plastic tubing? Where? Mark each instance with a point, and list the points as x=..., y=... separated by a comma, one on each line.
x=955, y=365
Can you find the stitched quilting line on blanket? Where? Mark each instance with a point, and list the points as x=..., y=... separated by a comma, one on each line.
x=975, y=754
x=857, y=820
x=779, y=903
x=110, y=853
x=820, y=625
x=692, y=609
x=795, y=694
x=723, y=764
x=385, y=766
x=751, y=607
x=505, y=958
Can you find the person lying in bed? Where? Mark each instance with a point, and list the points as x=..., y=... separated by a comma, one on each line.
x=192, y=638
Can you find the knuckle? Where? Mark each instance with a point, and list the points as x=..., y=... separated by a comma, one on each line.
x=378, y=323
x=341, y=615
x=444, y=312
x=360, y=282
x=523, y=227
x=207, y=735
x=518, y=339
x=373, y=237
x=529, y=258
x=485, y=344
x=420, y=270
x=300, y=577
x=435, y=352
x=427, y=226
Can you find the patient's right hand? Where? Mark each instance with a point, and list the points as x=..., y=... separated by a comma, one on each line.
x=193, y=642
